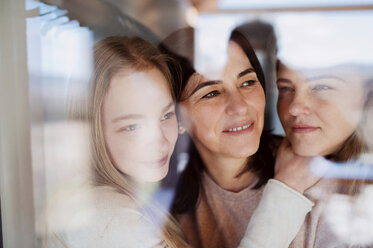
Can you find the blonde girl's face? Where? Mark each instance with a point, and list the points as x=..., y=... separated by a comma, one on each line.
x=139, y=124
x=319, y=110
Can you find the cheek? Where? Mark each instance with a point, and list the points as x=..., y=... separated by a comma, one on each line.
x=342, y=111
x=262, y=104
x=262, y=112
x=205, y=119
x=340, y=121
x=170, y=130
x=282, y=109
x=200, y=122
x=197, y=117
x=123, y=149
x=354, y=111
x=184, y=116
x=256, y=101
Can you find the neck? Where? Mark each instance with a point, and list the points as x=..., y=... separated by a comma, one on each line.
x=229, y=173
x=144, y=191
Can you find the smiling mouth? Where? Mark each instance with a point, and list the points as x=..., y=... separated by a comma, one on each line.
x=157, y=163
x=239, y=128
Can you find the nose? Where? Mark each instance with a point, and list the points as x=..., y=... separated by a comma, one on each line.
x=300, y=105
x=236, y=104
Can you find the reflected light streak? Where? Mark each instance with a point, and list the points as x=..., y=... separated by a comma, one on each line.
x=349, y=170
x=351, y=218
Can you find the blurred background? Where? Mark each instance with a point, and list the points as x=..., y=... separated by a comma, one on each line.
x=46, y=61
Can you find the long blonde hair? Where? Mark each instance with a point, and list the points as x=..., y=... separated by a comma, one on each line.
x=357, y=143
x=113, y=55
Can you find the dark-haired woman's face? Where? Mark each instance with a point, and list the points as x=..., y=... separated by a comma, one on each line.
x=225, y=115
x=319, y=110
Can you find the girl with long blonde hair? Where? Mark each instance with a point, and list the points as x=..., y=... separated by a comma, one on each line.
x=130, y=111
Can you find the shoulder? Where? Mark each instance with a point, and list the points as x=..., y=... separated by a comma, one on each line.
x=107, y=197
x=323, y=189
x=102, y=217
x=87, y=205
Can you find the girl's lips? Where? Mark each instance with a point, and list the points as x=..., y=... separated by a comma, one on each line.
x=158, y=163
x=302, y=128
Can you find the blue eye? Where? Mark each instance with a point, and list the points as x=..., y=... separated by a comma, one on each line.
x=212, y=94
x=168, y=116
x=129, y=128
x=248, y=83
x=321, y=87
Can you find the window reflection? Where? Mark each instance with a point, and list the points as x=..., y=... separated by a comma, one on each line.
x=317, y=62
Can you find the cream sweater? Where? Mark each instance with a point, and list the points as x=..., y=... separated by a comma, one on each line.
x=102, y=217
x=268, y=217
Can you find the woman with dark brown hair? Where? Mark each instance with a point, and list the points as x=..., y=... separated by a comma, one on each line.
x=231, y=158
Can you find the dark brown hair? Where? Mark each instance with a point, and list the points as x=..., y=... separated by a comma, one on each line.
x=262, y=162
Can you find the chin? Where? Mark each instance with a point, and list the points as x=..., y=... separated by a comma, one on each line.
x=249, y=150
x=306, y=151
x=156, y=176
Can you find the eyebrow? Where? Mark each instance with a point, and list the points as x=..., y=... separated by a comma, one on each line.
x=284, y=80
x=214, y=82
x=127, y=117
x=171, y=104
x=245, y=72
x=205, y=84
x=137, y=116
x=325, y=77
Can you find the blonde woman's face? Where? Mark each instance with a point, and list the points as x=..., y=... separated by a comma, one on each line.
x=139, y=124
x=319, y=110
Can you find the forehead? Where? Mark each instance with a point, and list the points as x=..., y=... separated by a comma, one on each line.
x=145, y=80
x=137, y=89
x=236, y=62
x=340, y=73
x=236, y=53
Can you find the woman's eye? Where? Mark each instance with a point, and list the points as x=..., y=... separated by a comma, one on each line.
x=211, y=94
x=285, y=89
x=321, y=87
x=248, y=83
x=129, y=128
x=168, y=116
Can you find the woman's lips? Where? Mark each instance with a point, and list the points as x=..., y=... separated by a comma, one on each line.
x=302, y=128
x=238, y=129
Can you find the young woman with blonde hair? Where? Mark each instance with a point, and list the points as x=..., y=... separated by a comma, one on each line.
x=133, y=131
x=326, y=112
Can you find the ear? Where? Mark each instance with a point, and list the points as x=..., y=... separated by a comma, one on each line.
x=180, y=128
